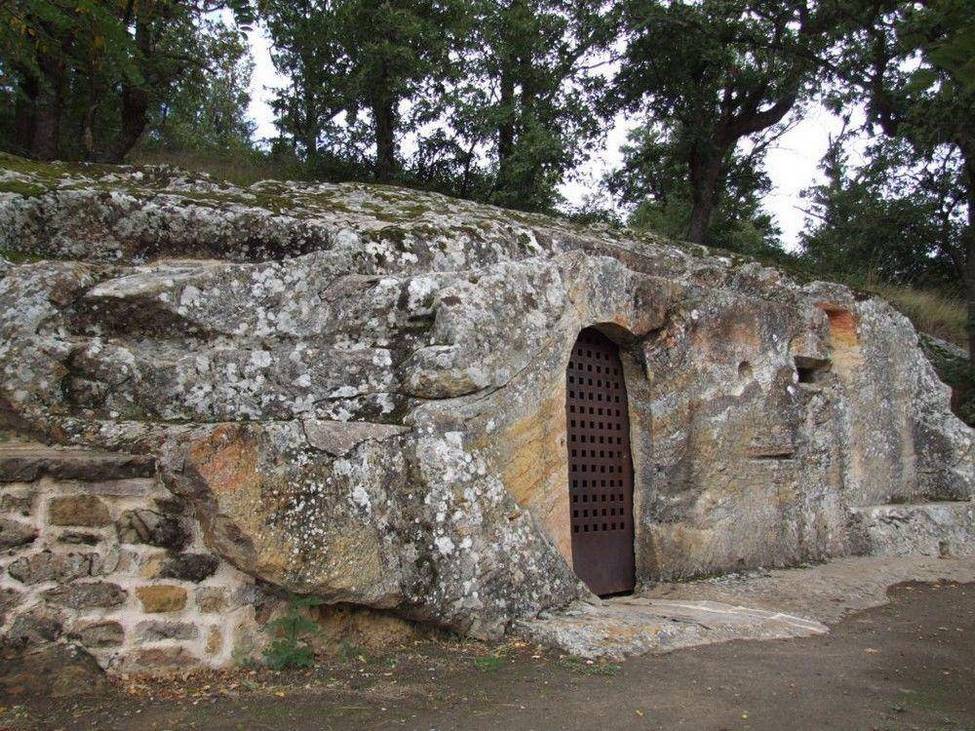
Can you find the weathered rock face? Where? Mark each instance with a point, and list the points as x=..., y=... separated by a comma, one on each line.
x=360, y=390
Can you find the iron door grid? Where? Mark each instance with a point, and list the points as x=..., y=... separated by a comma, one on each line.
x=600, y=466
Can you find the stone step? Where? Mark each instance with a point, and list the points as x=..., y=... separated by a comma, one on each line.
x=29, y=462
x=623, y=626
x=925, y=529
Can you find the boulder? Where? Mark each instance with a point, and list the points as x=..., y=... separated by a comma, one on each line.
x=354, y=529
x=359, y=392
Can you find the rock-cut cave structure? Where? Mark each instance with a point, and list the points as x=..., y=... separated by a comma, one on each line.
x=454, y=413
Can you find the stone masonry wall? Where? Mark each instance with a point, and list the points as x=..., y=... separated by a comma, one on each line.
x=97, y=553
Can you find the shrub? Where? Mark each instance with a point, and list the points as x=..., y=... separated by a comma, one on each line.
x=289, y=646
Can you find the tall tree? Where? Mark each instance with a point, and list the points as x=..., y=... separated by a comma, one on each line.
x=898, y=218
x=207, y=109
x=86, y=74
x=652, y=181
x=536, y=63
x=397, y=48
x=717, y=72
x=521, y=109
x=43, y=43
x=308, y=50
x=494, y=98
x=911, y=64
x=350, y=59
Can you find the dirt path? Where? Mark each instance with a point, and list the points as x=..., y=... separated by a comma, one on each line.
x=906, y=665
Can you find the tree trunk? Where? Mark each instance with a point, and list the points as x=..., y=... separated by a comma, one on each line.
x=312, y=121
x=527, y=183
x=94, y=90
x=311, y=149
x=966, y=145
x=311, y=131
x=506, y=127
x=48, y=108
x=88, y=131
x=384, y=113
x=24, y=114
x=697, y=230
x=135, y=111
x=135, y=99
x=91, y=108
x=704, y=175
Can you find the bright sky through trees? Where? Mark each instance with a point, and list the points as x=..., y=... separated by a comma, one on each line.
x=792, y=162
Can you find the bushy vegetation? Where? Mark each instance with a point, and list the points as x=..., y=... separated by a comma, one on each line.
x=290, y=634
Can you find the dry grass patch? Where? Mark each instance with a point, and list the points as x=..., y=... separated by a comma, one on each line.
x=931, y=311
x=240, y=169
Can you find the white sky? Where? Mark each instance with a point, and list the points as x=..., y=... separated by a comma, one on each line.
x=791, y=163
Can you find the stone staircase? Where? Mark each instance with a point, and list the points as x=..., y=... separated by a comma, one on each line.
x=920, y=529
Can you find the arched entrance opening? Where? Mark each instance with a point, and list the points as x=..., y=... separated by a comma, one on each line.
x=600, y=466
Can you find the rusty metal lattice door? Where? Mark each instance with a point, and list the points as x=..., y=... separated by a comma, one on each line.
x=600, y=467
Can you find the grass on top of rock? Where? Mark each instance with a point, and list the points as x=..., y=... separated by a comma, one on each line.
x=240, y=169
x=932, y=312
x=941, y=316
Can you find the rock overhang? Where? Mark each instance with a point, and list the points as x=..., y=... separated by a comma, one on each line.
x=360, y=389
